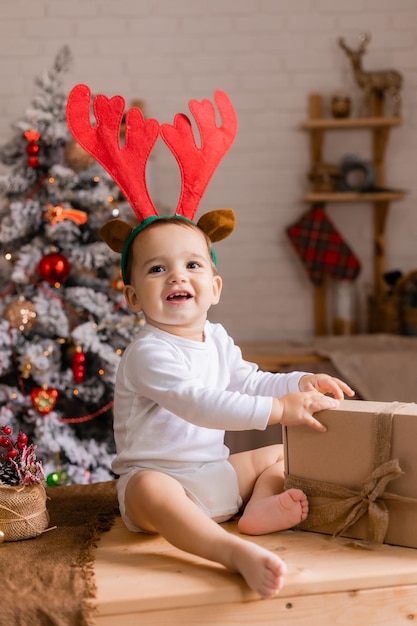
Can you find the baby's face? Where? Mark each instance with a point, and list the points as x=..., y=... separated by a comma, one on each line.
x=172, y=279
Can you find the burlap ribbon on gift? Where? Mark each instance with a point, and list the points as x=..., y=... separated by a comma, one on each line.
x=347, y=506
x=23, y=512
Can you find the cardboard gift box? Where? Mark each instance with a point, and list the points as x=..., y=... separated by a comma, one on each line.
x=361, y=475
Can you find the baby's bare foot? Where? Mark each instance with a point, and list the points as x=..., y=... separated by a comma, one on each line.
x=279, y=512
x=263, y=570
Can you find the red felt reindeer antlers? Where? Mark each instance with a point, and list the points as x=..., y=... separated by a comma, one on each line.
x=197, y=165
x=127, y=164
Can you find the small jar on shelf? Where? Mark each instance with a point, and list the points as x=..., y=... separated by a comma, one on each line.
x=340, y=104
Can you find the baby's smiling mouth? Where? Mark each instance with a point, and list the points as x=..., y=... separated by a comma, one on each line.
x=179, y=296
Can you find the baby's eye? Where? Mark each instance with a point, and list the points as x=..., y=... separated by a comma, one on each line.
x=193, y=265
x=156, y=269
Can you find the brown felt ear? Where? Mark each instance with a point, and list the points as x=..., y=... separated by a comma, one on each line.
x=115, y=233
x=217, y=224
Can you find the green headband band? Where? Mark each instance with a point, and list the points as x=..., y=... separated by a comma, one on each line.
x=142, y=226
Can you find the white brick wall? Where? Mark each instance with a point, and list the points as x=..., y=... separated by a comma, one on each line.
x=268, y=55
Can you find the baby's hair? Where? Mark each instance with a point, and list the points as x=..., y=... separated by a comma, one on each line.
x=178, y=221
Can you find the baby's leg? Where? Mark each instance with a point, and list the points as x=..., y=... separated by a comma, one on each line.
x=157, y=502
x=261, y=482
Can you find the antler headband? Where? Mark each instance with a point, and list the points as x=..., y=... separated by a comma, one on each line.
x=127, y=164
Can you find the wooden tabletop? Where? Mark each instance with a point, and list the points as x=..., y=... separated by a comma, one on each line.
x=142, y=579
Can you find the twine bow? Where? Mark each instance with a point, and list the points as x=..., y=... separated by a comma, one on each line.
x=348, y=506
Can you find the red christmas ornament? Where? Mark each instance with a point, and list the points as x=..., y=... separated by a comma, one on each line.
x=32, y=135
x=44, y=399
x=78, y=365
x=54, y=268
x=33, y=162
x=32, y=148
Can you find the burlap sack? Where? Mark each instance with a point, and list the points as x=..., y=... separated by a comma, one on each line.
x=23, y=512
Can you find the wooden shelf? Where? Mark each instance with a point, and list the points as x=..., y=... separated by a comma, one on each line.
x=379, y=128
x=343, y=196
x=351, y=122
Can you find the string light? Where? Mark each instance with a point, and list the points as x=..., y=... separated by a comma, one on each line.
x=27, y=366
x=25, y=369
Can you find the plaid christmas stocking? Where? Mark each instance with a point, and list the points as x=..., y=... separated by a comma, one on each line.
x=321, y=248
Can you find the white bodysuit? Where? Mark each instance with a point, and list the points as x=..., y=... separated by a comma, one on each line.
x=174, y=400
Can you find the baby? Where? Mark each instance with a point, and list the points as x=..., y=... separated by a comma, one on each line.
x=181, y=383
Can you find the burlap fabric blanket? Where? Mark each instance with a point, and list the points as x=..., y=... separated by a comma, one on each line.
x=381, y=368
x=49, y=580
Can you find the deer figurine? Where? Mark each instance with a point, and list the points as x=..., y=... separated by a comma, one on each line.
x=373, y=83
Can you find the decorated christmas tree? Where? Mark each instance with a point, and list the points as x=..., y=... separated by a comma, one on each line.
x=63, y=319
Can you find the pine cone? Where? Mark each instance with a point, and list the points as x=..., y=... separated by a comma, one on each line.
x=8, y=475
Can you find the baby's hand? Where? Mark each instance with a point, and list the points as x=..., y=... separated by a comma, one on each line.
x=295, y=409
x=325, y=384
